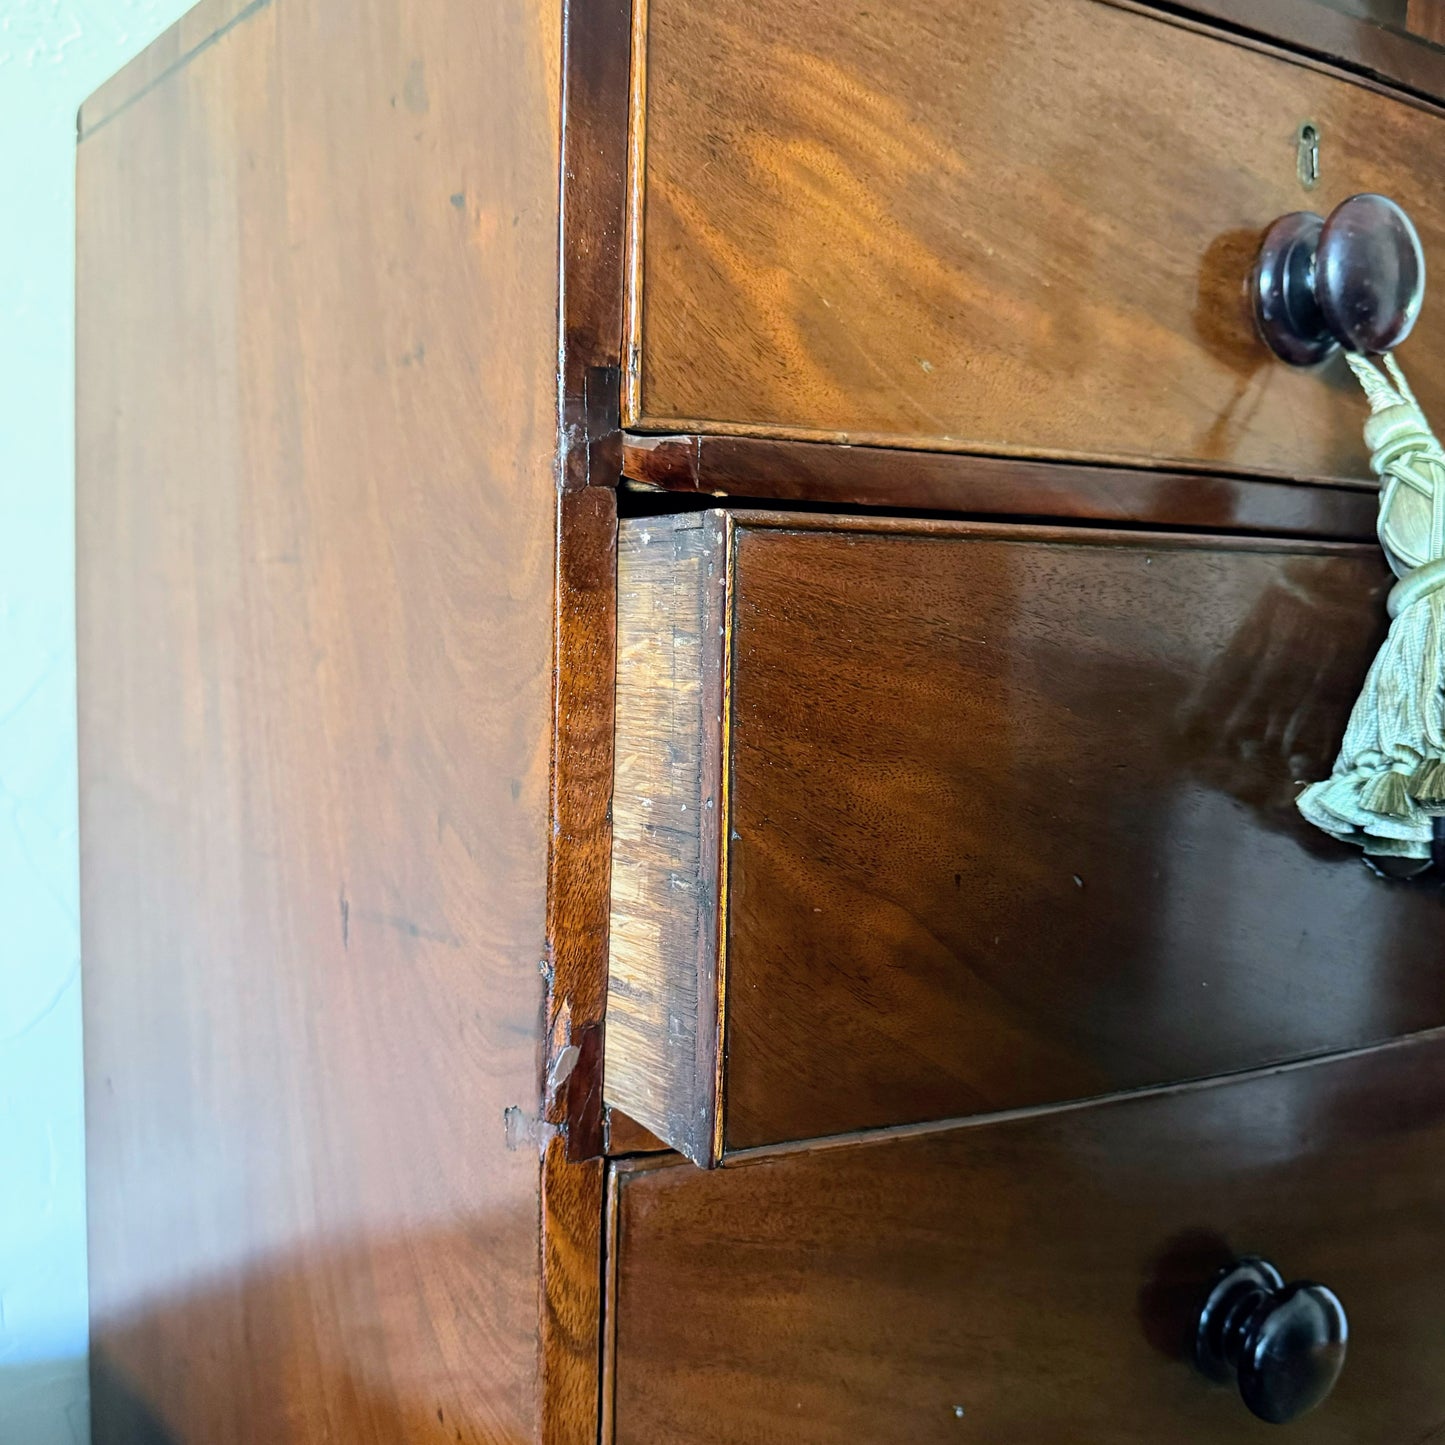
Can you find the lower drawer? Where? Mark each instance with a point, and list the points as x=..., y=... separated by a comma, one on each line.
x=1035, y=1281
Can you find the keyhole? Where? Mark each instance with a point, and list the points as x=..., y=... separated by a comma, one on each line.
x=1308, y=155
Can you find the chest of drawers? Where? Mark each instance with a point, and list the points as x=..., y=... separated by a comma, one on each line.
x=699, y=625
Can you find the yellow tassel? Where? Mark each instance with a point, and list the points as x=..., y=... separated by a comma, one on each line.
x=1388, y=794
x=1426, y=785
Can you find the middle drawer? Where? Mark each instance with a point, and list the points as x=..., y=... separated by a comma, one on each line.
x=919, y=820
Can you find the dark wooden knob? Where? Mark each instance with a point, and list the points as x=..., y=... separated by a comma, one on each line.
x=1284, y=1344
x=1355, y=279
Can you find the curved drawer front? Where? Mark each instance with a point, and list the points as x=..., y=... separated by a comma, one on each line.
x=922, y=820
x=1001, y=226
x=1038, y=1279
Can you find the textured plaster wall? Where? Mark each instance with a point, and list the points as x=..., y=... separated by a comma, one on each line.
x=52, y=54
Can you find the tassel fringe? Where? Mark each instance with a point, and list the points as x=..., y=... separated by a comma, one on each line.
x=1388, y=783
x=1426, y=785
x=1389, y=780
x=1387, y=793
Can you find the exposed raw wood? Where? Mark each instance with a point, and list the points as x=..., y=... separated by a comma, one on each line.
x=668, y=810
x=1014, y=227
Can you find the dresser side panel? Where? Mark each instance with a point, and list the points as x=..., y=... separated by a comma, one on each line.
x=317, y=433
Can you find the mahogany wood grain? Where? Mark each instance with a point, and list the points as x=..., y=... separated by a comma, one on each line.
x=579, y=860
x=1426, y=18
x=821, y=473
x=626, y=1136
x=1009, y=820
x=596, y=61
x=572, y=1204
x=575, y=958
x=1379, y=38
x=1036, y=1279
x=345, y=730
x=596, y=56
x=1002, y=226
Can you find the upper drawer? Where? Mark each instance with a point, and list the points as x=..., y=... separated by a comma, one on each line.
x=922, y=820
x=1002, y=226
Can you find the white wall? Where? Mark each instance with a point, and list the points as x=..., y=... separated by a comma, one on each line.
x=52, y=54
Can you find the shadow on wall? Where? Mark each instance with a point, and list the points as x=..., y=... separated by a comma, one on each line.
x=28, y=1395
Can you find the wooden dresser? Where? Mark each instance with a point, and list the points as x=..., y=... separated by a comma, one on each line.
x=699, y=626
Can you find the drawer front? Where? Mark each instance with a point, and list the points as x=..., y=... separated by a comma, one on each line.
x=1002, y=226
x=1037, y=1280
x=925, y=820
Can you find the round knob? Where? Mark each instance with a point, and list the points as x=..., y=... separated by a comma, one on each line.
x=1354, y=280
x=1283, y=1343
